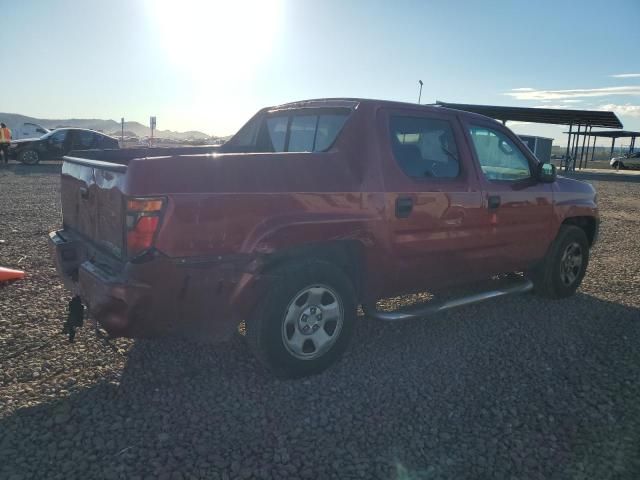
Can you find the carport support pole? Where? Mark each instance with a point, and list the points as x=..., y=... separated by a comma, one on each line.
x=574, y=150
x=593, y=149
x=584, y=141
x=613, y=143
x=566, y=156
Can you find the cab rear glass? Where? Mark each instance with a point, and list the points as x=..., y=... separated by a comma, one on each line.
x=298, y=130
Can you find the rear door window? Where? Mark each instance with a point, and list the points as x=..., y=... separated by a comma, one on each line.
x=84, y=140
x=424, y=147
x=103, y=141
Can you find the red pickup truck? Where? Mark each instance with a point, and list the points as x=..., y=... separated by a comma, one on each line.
x=310, y=210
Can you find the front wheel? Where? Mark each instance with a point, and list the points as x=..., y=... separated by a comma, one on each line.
x=561, y=272
x=28, y=157
x=304, y=323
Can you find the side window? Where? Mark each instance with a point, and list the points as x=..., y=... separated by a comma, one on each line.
x=328, y=128
x=248, y=135
x=302, y=133
x=104, y=142
x=304, y=130
x=499, y=157
x=424, y=147
x=277, y=127
x=84, y=140
x=58, y=138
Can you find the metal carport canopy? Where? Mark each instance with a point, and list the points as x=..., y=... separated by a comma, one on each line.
x=609, y=133
x=591, y=118
x=612, y=134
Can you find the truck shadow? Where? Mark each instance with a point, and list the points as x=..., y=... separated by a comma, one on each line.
x=516, y=361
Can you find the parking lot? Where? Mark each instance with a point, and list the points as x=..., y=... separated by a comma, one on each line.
x=519, y=387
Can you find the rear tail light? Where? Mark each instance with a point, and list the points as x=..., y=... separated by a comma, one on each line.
x=143, y=219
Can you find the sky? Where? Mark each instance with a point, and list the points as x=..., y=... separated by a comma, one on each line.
x=209, y=65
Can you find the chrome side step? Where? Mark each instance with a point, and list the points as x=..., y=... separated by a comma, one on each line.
x=431, y=308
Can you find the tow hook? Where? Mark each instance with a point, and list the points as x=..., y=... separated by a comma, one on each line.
x=74, y=318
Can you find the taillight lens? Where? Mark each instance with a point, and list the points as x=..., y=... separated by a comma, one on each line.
x=143, y=219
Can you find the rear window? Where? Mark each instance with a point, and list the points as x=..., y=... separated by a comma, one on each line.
x=308, y=130
x=301, y=132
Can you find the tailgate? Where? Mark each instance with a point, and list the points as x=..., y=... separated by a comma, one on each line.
x=93, y=202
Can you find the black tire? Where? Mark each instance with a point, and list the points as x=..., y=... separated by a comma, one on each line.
x=554, y=277
x=29, y=157
x=270, y=325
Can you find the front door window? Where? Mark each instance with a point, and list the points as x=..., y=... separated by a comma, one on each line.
x=500, y=159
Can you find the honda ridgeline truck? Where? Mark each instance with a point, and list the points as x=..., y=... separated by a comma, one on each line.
x=310, y=210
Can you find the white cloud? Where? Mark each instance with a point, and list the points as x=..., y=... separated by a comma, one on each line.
x=571, y=100
x=523, y=89
x=546, y=105
x=541, y=95
x=628, y=110
x=626, y=75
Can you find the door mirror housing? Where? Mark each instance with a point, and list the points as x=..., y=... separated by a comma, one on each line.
x=546, y=173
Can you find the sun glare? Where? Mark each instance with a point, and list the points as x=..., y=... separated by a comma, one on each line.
x=232, y=34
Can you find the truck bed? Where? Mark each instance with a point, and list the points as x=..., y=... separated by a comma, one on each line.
x=123, y=156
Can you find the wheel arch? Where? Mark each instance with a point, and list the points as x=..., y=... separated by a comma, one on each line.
x=588, y=224
x=347, y=254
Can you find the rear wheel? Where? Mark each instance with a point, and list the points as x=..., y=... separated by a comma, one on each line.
x=29, y=157
x=304, y=323
x=618, y=165
x=564, y=267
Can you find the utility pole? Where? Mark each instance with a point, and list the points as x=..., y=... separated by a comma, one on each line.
x=152, y=124
x=122, y=130
x=420, y=92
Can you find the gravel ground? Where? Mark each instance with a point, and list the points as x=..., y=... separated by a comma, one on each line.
x=516, y=388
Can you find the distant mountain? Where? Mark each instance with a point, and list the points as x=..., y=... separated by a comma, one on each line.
x=14, y=120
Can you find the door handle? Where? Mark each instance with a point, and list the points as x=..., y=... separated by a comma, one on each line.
x=493, y=201
x=404, y=206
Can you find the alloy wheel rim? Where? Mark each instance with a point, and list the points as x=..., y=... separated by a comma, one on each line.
x=571, y=264
x=30, y=157
x=313, y=321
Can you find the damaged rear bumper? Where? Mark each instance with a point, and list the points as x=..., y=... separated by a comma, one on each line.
x=203, y=298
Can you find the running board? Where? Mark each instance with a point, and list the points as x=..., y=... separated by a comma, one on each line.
x=431, y=308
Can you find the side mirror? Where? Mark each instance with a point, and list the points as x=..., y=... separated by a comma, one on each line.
x=547, y=172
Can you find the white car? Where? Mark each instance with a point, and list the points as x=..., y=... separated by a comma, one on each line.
x=630, y=160
x=29, y=130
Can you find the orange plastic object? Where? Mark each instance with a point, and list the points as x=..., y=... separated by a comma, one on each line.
x=9, y=274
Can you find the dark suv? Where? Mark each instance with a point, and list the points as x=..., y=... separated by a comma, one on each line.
x=54, y=145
